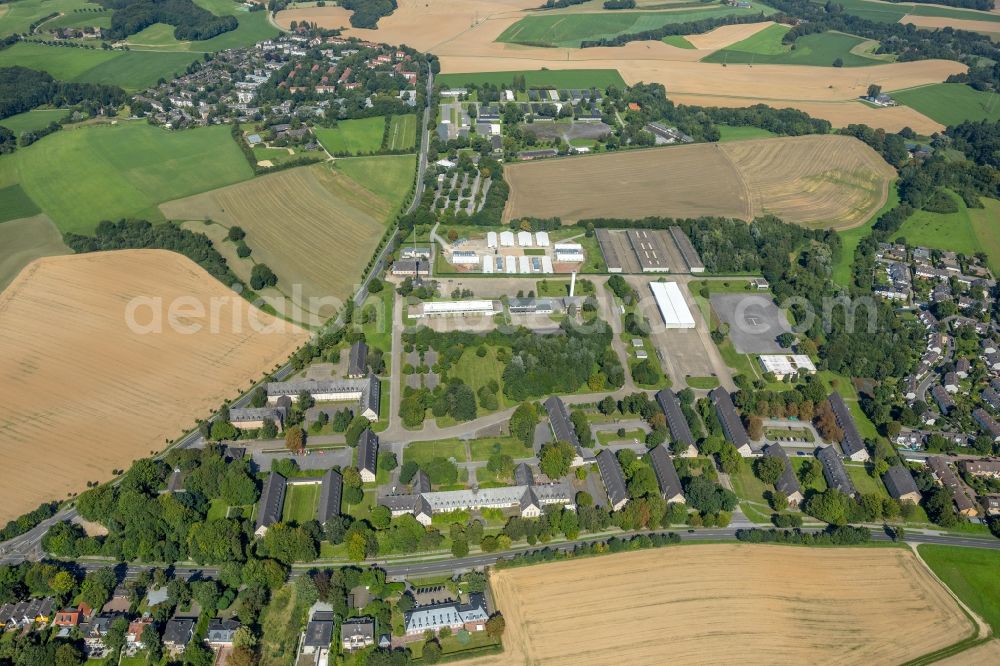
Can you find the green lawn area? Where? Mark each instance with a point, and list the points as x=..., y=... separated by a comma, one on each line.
x=797, y=463
x=569, y=30
x=477, y=371
x=353, y=137
x=820, y=49
x=477, y=643
x=14, y=204
x=564, y=78
x=850, y=238
x=363, y=510
x=483, y=448
x=277, y=156
x=378, y=333
x=678, y=41
x=886, y=12
x=390, y=177
x=422, y=452
x=402, y=132
x=747, y=486
x=253, y=27
x=951, y=103
x=730, y=133
x=865, y=482
x=29, y=121
x=102, y=172
x=280, y=627
x=19, y=15
x=971, y=573
x=300, y=502
x=970, y=230
x=133, y=70
x=23, y=241
x=560, y=288
x=702, y=382
x=217, y=509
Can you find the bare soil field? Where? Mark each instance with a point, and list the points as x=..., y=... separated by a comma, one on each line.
x=327, y=17
x=313, y=226
x=823, y=181
x=85, y=394
x=986, y=27
x=726, y=604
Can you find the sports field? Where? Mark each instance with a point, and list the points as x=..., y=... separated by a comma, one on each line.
x=402, y=133
x=713, y=604
x=560, y=78
x=120, y=392
x=24, y=240
x=133, y=70
x=353, y=137
x=314, y=226
x=968, y=231
x=820, y=49
x=569, y=30
x=301, y=501
x=102, y=172
x=820, y=181
x=951, y=103
x=30, y=121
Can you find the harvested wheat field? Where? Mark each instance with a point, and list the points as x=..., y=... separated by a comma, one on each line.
x=823, y=181
x=313, y=226
x=85, y=394
x=931, y=22
x=326, y=17
x=985, y=654
x=726, y=604
x=726, y=35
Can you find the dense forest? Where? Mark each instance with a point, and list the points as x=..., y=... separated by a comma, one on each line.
x=979, y=140
x=23, y=89
x=190, y=21
x=368, y=12
x=130, y=234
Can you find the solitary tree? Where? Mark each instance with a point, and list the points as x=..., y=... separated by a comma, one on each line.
x=295, y=439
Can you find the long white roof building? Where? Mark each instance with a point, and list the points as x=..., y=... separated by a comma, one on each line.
x=673, y=308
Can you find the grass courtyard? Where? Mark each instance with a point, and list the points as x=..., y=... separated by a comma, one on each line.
x=301, y=501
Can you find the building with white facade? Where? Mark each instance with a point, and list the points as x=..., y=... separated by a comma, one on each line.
x=673, y=308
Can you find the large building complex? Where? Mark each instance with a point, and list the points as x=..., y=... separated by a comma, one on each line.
x=366, y=391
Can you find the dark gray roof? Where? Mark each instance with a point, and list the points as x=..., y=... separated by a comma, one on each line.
x=272, y=499
x=221, y=631
x=329, y=496
x=691, y=257
x=946, y=475
x=942, y=398
x=898, y=481
x=178, y=631
x=787, y=483
x=731, y=423
x=986, y=422
x=852, y=442
x=671, y=406
x=666, y=474
x=398, y=502
x=611, y=473
x=421, y=482
x=357, y=365
x=319, y=633
x=370, y=399
x=559, y=418
x=358, y=626
x=834, y=471
x=523, y=475
x=368, y=451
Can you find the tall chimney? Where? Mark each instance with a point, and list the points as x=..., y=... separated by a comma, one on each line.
x=572, y=284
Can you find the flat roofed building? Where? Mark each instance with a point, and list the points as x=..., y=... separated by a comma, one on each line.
x=506, y=239
x=357, y=365
x=690, y=255
x=510, y=264
x=649, y=250
x=542, y=239
x=946, y=476
x=318, y=634
x=491, y=239
x=547, y=264
x=834, y=471
x=666, y=474
x=480, y=308
x=531, y=306
x=680, y=431
x=787, y=365
x=614, y=479
x=368, y=455
x=900, y=484
x=673, y=308
x=611, y=257
x=272, y=499
x=523, y=264
x=852, y=444
x=787, y=483
x=489, y=263
x=732, y=426
x=524, y=239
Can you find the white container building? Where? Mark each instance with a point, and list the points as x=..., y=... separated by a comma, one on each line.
x=673, y=308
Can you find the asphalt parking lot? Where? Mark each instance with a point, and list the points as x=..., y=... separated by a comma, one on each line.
x=754, y=321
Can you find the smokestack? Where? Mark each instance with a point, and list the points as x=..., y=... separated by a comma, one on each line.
x=572, y=284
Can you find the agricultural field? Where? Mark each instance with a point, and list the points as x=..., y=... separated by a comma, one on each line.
x=314, y=226
x=951, y=103
x=970, y=230
x=18, y=16
x=64, y=340
x=133, y=70
x=81, y=176
x=31, y=121
x=353, y=137
x=402, y=133
x=891, y=12
x=730, y=133
x=819, y=49
x=569, y=30
x=566, y=78
x=971, y=574
x=585, y=612
x=822, y=181
x=253, y=28
x=24, y=240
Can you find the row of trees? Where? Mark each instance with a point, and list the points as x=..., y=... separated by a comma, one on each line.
x=190, y=21
x=23, y=89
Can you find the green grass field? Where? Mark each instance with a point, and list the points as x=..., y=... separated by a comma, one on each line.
x=477, y=372
x=253, y=28
x=360, y=136
x=29, y=121
x=563, y=78
x=389, y=177
x=300, y=503
x=402, y=132
x=483, y=448
x=21, y=14
x=798, y=462
x=102, y=172
x=132, y=70
x=730, y=133
x=422, y=452
x=971, y=573
x=820, y=49
x=569, y=30
x=14, y=203
x=23, y=241
x=80, y=20
x=851, y=237
x=678, y=41
x=970, y=230
x=951, y=103
x=865, y=482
